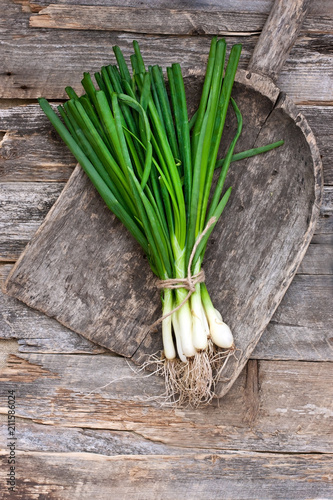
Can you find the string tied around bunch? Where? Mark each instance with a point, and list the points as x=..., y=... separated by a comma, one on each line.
x=189, y=282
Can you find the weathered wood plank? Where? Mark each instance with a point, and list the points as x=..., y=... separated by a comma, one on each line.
x=43, y=62
x=317, y=260
x=148, y=20
x=36, y=332
x=32, y=151
x=290, y=413
x=49, y=438
x=23, y=206
x=321, y=7
x=162, y=21
x=285, y=338
x=184, y=18
x=325, y=222
x=301, y=70
x=302, y=325
x=240, y=476
x=60, y=53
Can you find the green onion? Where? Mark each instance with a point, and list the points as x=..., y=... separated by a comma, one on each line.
x=154, y=169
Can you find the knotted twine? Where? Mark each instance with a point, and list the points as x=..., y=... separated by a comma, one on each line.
x=189, y=282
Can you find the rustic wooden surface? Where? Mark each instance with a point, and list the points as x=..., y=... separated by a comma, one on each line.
x=105, y=291
x=271, y=435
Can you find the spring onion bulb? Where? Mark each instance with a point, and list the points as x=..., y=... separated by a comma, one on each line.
x=154, y=169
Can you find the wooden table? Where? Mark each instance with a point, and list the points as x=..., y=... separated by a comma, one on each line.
x=271, y=436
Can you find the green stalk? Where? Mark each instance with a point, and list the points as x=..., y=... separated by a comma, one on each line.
x=122, y=64
x=250, y=152
x=226, y=164
x=138, y=56
x=205, y=176
x=71, y=93
x=184, y=131
x=81, y=140
x=228, y=82
x=165, y=108
x=155, y=96
x=108, y=121
x=195, y=189
x=164, y=147
x=204, y=97
x=112, y=203
x=100, y=82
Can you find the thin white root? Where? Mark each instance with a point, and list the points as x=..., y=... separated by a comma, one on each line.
x=193, y=383
x=190, y=384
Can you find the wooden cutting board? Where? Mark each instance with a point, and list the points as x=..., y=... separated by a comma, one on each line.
x=85, y=270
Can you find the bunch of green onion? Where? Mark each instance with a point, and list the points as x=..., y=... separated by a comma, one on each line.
x=153, y=167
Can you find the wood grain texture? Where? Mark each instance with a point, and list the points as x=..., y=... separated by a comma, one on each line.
x=278, y=417
x=48, y=438
x=249, y=476
x=152, y=21
x=317, y=260
x=325, y=223
x=30, y=149
x=221, y=19
x=22, y=208
x=57, y=56
x=301, y=324
x=183, y=18
x=273, y=406
x=278, y=36
x=36, y=332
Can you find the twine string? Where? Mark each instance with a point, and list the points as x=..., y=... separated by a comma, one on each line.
x=189, y=282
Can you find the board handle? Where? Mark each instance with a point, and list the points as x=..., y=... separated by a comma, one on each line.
x=278, y=37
